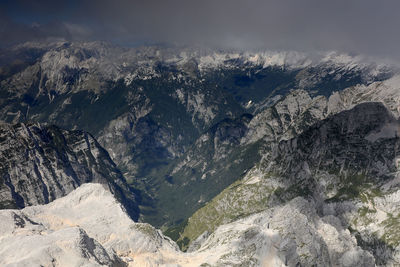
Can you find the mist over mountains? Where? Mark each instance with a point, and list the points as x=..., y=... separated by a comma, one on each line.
x=362, y=27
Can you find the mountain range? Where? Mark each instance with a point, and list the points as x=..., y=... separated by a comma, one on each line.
x=242, y=158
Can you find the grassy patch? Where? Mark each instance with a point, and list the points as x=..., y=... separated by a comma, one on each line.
x=391, y=228
x=235, y=202
x=352, y=187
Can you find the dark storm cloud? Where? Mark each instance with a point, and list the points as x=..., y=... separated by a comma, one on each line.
x=360, y=26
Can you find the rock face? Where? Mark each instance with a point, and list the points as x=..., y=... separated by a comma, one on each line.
x=289, y=235
x=41, y=163
x=86, y=228
x=341, y=174
x=361, y=142
x=89, y=228
x=287, y=118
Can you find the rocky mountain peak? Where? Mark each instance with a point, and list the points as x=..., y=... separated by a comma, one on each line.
x=361, y=121
x=41, y=163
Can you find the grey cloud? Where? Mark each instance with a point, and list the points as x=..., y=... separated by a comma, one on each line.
x=368, y=26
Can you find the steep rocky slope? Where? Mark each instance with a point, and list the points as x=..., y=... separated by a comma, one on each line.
x=41, y=163
x=283, y=120
x=387, y=92
x=346, y=166
x=208, y=166
x=98, y=232
x=88, y=227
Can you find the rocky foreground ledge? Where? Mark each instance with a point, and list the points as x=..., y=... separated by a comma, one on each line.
x=89, y=227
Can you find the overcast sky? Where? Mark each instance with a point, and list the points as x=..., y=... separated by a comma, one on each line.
x=356, y=26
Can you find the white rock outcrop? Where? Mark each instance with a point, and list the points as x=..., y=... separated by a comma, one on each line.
x=89, y=227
